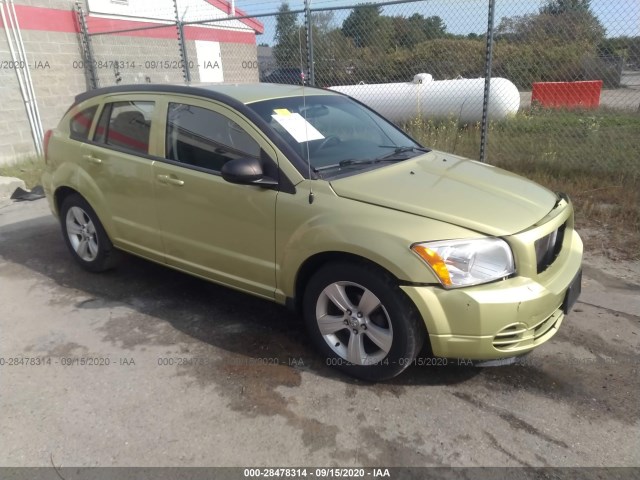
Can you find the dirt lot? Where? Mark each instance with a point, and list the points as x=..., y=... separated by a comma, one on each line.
x=199, y=375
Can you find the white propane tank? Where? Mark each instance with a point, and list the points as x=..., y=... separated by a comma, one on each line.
x=459, y=99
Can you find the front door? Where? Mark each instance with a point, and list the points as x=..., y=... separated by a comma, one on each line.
x=215, y=229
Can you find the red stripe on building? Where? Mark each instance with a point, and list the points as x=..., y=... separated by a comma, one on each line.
x=99, y=25
x=53, y=20
x=46, y=19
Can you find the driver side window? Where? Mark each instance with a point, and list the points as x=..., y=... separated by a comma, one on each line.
x=203, y=138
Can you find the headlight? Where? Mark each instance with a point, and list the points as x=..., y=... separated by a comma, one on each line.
x=459, y=263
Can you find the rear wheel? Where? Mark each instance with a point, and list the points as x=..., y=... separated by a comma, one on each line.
x=85, y=236
x=361, y=321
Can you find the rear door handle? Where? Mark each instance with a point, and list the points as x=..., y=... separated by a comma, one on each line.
x=170, y=180
x=92, y=159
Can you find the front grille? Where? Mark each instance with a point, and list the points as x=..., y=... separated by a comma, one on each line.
x=548, y=248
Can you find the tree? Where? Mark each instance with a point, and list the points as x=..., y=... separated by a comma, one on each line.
x=335, y=56
x=367, y=27
x=286, y=49
x=558, y=22
x=573, y=18
x=433, y=27
x=285, y=23
x=328, y=46
x=408, y=32
x=559, y=7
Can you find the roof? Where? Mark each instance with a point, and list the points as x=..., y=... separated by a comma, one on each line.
x=256, y=92
x=244, y=93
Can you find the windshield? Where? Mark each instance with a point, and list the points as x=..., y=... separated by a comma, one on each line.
x=335, y=132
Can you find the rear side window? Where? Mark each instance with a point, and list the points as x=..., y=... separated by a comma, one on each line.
x=125, y=125
x=81, y=123
x=204, y=138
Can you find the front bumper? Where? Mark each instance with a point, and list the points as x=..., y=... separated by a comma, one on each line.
x=501, y=319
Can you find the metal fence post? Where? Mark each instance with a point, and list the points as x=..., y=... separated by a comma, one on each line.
x=308, y=22
x=186, y=73
x=87, y=49
x=487, y=82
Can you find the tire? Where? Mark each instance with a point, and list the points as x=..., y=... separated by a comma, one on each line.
x=85, y=236
x=371, y=330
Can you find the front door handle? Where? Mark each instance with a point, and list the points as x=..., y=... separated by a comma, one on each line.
x=170, y=180
x=92, y=159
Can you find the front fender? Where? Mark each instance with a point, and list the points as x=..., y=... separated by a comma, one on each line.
x=335, y=224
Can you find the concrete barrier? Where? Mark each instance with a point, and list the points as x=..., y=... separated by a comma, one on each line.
x=8, y=185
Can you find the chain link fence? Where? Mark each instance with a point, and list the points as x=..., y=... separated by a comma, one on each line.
x=591, y=118
x=510, y=81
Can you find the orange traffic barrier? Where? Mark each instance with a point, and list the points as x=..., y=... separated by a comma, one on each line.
x=567, y=94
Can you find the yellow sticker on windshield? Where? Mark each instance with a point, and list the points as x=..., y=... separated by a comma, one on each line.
x=282, y=111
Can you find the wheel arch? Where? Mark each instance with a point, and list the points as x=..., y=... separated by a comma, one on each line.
x=312, y=264
x=409, y=334
x=92, y=195
x=61, y=194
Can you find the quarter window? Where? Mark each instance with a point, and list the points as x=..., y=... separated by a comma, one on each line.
x=126, y=125
x=81, y=123
x=206, y=139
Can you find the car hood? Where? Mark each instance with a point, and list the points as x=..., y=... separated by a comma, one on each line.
x=454, y=190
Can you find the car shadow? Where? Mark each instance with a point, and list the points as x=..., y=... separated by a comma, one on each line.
x=248, y=330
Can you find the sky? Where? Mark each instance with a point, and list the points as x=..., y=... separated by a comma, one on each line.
x=619, y=17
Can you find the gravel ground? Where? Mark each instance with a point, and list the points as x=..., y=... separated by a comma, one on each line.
x=199, y=375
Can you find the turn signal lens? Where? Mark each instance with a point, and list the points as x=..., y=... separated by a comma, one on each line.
x=435, y=261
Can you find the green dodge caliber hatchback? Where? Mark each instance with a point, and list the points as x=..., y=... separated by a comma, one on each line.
x=310, y=199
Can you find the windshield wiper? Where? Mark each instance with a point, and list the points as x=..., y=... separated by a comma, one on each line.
x=401, y=150
x=396, y=155
x=354, y=161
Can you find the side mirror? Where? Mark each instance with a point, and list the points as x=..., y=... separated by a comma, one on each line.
x=246, y=171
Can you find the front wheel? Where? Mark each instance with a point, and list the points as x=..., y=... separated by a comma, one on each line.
x=361, y=321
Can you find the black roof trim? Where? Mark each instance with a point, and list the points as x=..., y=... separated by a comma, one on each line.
x=146, y=87
x=284, y=147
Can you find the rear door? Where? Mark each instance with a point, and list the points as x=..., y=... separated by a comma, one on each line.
x=215, y=229
x=119, y=160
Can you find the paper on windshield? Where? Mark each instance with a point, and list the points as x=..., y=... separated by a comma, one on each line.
x=295, y=124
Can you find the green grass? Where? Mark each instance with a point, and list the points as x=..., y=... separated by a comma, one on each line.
x=603, y=140
x=28, y=168
x=594, y=156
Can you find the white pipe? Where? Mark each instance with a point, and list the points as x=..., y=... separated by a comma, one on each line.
x=233, y=8
x=19, y=74
x=34, y=103
x=423, y=97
